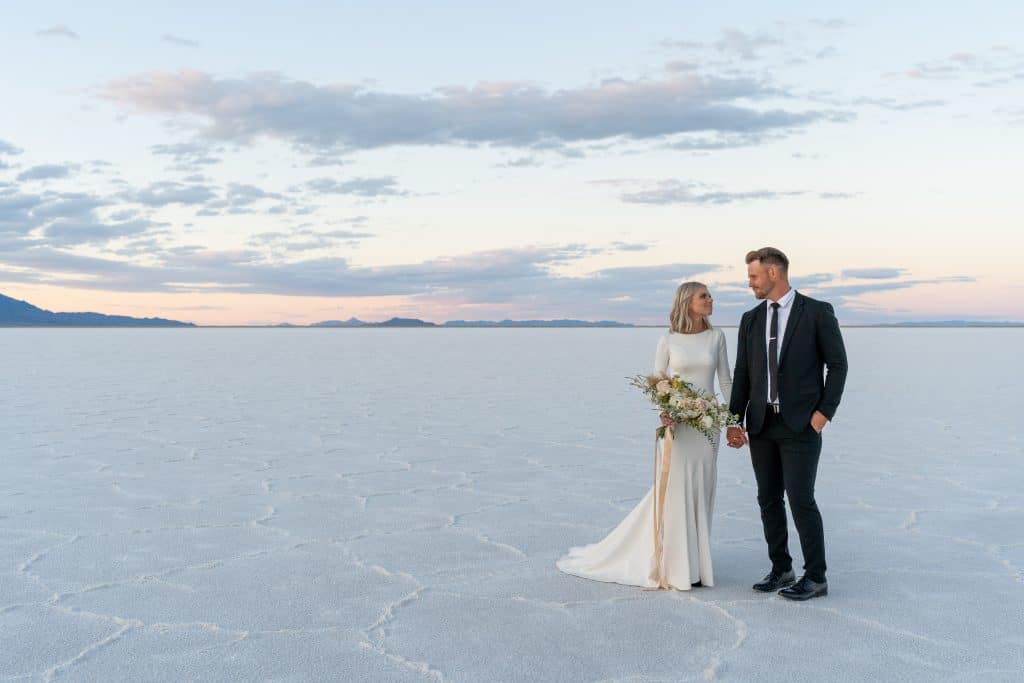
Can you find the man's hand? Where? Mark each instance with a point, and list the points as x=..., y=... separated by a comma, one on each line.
x=666, y=421
x=818, y=421
x=735, y=436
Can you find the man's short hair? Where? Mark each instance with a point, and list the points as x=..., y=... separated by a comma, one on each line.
x=769, y=256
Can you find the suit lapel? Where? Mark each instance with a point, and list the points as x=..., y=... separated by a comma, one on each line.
x=794, y=318
x=760, y=321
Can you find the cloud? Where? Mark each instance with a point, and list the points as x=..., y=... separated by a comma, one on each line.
x=1014, y=115
x=41, y=233
x=701, y=142
x=520, y=162
x=998, y=65
x=164, y=192
x=509, y=114
x=9, y=148
x=235, y=198
x=933, y=71
x=326, y=160
x=239, y=198
x=60, y=30
x=25, y=212
x=731, y=42
x=965, y=58
x=778, y=49
x=177, y=40
x=874, y=273
x=682, y=65
x=838, y=195
x=896, y=105
x=307, y=239
x=516, y=282
x=362, y=187
x=241, y=194
x=843, y=292
x=33, y=221
x=16, y=212
x=63, y=267
x=679, y=192
x=501, y=275
x=890, y=103
x=832, y=24
x=745, y=45
x=811, y=280
x=188, y=156
x=73, y=205
x=45, y=172
x=629, y=246
x=65, y=232
x=683, y=44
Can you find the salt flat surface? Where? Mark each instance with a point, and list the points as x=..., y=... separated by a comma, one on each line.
x=290, y=505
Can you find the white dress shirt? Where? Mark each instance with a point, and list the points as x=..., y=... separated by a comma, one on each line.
x=785, y=306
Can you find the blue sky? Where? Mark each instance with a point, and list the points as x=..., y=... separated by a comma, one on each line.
x=232, y=163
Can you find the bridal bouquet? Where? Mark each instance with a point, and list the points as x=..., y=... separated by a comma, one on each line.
x=684, y=404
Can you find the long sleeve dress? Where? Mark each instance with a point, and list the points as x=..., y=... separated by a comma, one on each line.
x=626, y=555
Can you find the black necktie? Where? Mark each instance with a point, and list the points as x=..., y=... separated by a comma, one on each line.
x=773, y=355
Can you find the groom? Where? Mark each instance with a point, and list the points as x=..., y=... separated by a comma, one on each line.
x=780, y=395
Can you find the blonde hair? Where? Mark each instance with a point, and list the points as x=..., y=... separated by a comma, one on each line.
x=679, y=319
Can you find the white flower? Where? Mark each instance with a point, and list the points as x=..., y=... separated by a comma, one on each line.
x=706, y=422
x=663, y=387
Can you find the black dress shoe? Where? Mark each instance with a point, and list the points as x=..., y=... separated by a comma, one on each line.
x=805, y=589
x=774, y=581
x=697, y=585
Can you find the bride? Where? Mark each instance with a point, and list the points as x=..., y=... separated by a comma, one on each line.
x=696, y=352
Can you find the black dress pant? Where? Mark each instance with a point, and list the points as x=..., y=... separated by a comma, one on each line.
x=787, y=461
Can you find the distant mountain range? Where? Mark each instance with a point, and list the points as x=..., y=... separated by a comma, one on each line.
x=16, y=313
x=957, y=323
x=416, y=322
x=351, y=322
x=564, y=322
x=393, y=322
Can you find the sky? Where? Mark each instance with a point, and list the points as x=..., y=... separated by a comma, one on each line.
x=259, y=163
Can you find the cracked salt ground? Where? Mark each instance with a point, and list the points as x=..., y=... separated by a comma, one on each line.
x=388, y=505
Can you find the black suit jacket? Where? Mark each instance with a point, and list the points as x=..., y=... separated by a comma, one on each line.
x=812, y=341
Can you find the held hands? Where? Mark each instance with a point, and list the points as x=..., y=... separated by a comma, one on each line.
x=736, y=436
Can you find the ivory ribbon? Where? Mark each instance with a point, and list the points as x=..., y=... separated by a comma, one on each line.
x=660, y=488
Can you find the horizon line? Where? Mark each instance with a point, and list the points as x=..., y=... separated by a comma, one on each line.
x=620, y=326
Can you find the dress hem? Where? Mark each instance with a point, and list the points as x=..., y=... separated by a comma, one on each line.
x=649, y=586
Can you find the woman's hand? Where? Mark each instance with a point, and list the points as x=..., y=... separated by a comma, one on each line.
x=666, y=421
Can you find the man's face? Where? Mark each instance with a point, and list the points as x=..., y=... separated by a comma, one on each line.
x=760, y=278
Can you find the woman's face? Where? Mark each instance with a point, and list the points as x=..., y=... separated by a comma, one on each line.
x=701, y=303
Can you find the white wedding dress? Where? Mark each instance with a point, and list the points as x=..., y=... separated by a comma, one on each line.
x=626, y=555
